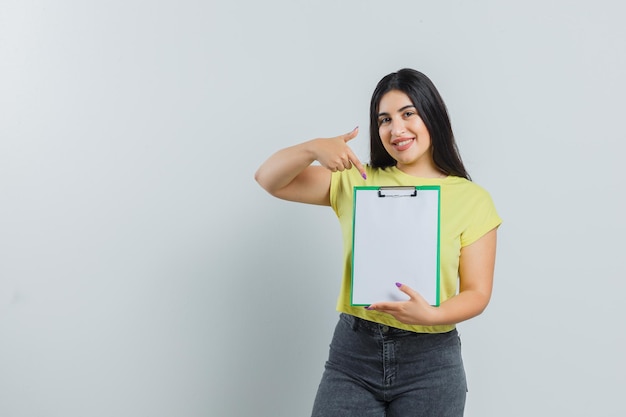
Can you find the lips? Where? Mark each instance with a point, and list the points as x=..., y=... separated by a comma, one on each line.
x=402, y=144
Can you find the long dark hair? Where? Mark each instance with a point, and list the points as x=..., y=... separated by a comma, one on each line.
x=431, y=108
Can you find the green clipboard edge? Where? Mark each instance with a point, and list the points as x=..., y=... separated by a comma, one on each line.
x=417, y=187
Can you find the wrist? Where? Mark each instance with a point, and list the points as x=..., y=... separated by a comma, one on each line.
x=311, y=148
x=432, y=316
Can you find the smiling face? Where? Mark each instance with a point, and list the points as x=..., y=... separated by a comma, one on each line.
x=405, y=136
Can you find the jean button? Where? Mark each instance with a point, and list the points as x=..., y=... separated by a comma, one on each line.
x=385, y=329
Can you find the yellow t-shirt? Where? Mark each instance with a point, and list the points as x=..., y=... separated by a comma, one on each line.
x=467, y=213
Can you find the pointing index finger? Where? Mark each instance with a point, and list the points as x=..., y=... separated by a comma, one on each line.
x=359, y=166
x=353, y=159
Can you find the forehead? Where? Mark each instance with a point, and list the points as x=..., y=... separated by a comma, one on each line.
x=394, y=100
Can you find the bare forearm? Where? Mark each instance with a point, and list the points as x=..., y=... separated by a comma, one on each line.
x=461, y=307
x=288, y=174
x=282, y=167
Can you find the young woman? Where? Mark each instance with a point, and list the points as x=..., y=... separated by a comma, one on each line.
x=400, y=358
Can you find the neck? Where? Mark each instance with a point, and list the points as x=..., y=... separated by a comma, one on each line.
x=421, y=171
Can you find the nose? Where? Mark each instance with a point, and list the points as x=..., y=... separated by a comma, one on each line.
x=397, y=127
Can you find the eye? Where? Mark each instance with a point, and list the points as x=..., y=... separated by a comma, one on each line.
x=383, y=120
x=409, y=113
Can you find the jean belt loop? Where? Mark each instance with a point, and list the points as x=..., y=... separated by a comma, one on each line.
x=355, y=323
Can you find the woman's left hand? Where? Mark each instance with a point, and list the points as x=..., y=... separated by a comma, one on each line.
x=476, y=265
x=415, y=310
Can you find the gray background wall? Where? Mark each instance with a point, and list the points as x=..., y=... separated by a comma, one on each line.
x=144, y=273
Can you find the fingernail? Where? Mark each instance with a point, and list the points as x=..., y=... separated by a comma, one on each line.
x=355, y=128
x=364, y=176
x=369, y=307
x=398, y=284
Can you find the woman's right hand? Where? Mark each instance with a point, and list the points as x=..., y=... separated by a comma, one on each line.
x=335, y=154
x=288, y=174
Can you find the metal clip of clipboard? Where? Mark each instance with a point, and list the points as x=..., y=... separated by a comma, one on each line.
x=397, y=191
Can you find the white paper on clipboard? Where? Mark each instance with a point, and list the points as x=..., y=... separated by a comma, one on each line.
x=395, y=239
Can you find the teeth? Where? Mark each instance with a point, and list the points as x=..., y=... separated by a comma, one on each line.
x=404, y=142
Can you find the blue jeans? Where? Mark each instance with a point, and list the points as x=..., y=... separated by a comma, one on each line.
x=375, y=370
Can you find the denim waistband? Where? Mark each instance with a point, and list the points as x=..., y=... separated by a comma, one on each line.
x=378, y=328
x=370, y=326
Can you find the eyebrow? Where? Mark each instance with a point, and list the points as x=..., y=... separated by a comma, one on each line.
x=408, y=106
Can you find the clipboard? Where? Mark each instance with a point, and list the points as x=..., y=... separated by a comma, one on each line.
x=396, y=238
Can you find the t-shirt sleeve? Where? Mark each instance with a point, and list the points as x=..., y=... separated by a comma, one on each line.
x=335, y=190
x=341, y=188
x=483, y=217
